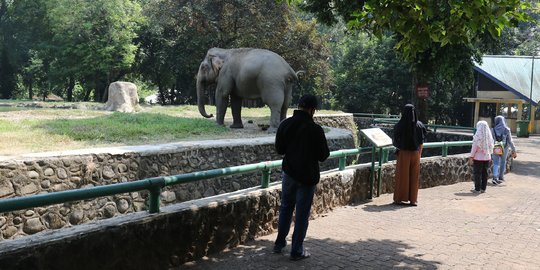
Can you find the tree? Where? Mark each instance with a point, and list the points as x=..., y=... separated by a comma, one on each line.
x=20, y=32
x=370, y=77
x=521, y=40
x=426, y=31
x=178, y=34
x=91, y=41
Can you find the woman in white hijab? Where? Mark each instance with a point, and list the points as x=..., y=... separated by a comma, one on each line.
x=481, y=150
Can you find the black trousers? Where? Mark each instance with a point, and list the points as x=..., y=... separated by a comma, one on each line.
x=480, y=171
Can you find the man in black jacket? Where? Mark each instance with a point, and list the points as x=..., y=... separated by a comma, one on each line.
x=304, y=144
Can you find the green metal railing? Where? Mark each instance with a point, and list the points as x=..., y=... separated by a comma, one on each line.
x=154, y=185
x=431, y=126
x=375, y=115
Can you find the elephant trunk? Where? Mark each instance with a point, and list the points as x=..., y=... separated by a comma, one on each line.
x=201, y=98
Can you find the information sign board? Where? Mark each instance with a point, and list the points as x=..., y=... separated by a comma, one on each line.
x=376, y=136
x=422, y=91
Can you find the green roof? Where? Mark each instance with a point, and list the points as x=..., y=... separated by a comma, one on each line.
x=514, y=74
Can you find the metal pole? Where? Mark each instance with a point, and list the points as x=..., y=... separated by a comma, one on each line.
x=373, y=153
x=445, y=150
x=265, y=182
x=342, y=163
x=379, y=180
x=154, y=199
x=530, y=95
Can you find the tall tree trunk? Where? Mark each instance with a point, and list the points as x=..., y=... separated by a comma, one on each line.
x=421, y=104
x=173, y=95
x=161, y=95
x=87, y=94
x=30, y=89
x=70, y=88
x=105, y=96
x=7, y=76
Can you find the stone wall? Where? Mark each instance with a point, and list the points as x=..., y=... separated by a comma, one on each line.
x=51, y=172
x=190, y=230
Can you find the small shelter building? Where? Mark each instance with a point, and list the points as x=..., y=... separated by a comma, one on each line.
x=508, y=86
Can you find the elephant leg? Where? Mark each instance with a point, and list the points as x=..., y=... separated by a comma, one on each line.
x=221, y=108
x=274, y=118
x=236, y=108
x=273, y=96
x=286, y=102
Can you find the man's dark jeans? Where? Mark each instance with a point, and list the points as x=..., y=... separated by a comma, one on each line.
x=294, y=194
x=480, y=174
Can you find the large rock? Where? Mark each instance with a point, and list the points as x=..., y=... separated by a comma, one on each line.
x=123, y=97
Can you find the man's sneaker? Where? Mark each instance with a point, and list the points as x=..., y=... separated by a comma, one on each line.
x=304, y=255
x=495, y=182
x=277, y=250
x=474, y=191
x=483, y=191
x=500, y=180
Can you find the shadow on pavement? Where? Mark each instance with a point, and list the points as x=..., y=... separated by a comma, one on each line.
x=385, y=207
x=325, y=253
x=465, y=194
x=528, y=168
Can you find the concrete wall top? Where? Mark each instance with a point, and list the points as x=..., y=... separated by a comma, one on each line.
x=152, y=149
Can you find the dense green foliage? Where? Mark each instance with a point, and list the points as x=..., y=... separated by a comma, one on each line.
x=370, y=77
x=75, y=48
x=439, y=40
x=177, y=34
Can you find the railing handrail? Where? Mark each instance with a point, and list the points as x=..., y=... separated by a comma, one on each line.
x=154, y=185
x=433, y=126
x=376, y=115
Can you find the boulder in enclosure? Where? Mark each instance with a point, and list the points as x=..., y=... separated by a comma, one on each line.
x=123, y=97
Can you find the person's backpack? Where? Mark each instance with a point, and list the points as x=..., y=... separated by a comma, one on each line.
x=498, y=147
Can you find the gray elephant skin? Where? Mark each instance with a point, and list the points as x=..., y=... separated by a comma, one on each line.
x=245, y=73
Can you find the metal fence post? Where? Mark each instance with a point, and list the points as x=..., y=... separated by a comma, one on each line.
x=386, y=152
x=372, y=175
x=342, y=163
x=444, y=150
x=154, y=199
x=265, y=180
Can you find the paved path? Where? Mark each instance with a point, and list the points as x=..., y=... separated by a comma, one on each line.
x=450, y=229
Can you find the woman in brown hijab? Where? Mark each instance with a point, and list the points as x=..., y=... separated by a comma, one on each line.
x=409, y=134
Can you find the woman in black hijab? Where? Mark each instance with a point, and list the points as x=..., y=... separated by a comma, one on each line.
x=409, y=134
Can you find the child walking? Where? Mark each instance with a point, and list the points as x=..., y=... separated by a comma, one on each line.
x=481, y=151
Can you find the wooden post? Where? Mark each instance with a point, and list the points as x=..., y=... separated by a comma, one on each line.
x=520, y=111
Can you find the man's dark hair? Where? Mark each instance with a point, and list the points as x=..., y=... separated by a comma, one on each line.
x=308, y=102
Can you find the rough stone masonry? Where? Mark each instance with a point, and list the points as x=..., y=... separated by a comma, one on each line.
x=51, y=172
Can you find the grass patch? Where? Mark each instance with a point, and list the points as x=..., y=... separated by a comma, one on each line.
x=126, y=128
x=27, y=130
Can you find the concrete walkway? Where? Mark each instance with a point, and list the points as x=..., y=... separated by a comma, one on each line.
x=450, y=229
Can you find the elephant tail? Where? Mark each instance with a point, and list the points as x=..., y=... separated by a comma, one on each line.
x=299, y=74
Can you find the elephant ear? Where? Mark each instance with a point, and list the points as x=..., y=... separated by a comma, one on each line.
x=217, y=63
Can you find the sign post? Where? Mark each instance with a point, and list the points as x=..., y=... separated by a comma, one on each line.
x=422, y=91
x=378, y=140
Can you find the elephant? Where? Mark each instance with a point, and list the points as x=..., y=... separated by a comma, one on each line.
x=246, y=73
